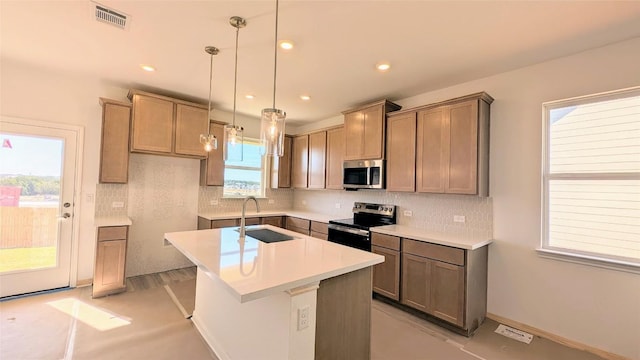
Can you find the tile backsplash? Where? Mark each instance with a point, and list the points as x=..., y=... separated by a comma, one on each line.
x=106, y=195
x=210, y=200
x=433, y=212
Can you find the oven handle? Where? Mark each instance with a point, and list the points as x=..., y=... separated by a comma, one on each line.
x=359, y=232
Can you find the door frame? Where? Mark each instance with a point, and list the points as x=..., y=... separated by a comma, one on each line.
x=77, y=191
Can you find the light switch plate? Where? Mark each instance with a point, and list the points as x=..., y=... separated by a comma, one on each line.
x=213, y=202
x=271, y=201
x=459, y=218
x=117, y=204
x=337, y=205
x=408, y=213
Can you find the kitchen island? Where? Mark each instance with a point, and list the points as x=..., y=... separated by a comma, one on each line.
x=299, y=299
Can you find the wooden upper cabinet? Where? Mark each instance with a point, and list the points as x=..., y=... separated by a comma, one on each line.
x=152, y=127
x=300, y=162
x=166, y=126
x=190, y=123
x=212, y=168
x=430, y=151
x=317, y=155
x=114, y=145
x=452, y=151
x=365, y=130
x=281, y=167
x=335, y=158
x=401, y=152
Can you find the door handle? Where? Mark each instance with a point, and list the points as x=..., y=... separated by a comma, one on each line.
x=64, y=216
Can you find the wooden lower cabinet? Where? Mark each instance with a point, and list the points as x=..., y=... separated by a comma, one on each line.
x=298, y=225
x=111, y=254
x=386, y=275
x=273, y=221
x=434, y=287
x=319, y=230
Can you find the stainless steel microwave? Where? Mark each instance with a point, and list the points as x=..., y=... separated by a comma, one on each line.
x=363, y=174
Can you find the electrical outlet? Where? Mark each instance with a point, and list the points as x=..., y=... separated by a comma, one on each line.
x=459, y=218
x=304, y=202
x=271, y=201
x=303, y=317
x=408, y=213
x=117, y=204
x=213, y=202
x=337, y=205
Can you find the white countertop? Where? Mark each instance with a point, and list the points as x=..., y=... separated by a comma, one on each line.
x=468, y=242
x=301, y=214
x=253, y=269
x=112, y=221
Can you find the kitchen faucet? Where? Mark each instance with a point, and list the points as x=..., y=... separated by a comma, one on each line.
x=244, y=209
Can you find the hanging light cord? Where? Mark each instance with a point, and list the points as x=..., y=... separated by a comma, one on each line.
x=235, y=80
x=275, y=58
x=210, y=81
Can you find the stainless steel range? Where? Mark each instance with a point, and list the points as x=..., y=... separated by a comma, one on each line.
x=354, y=232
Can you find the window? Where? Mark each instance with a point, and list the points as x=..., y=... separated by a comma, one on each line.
x=591, y=179
x=244, y=178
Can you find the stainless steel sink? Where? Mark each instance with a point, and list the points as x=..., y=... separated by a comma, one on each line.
x=268, y=235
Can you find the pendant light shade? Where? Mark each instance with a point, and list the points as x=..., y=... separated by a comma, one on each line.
x=233, y=135
x=272, y=119
x=208, y=140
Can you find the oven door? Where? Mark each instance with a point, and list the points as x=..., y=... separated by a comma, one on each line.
x=352, y=237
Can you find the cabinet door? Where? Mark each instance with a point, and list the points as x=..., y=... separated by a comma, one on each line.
x=416, y=276
x=373, y=137
x=223, y=223
x=212, y=168
x=335, y=158
x=114, y=148
x=191, y=121
x=281, y=167
x=401, y=152
x=152, y=124
x=386, y=275
x=300, y=162
x=431, y=161
x=462, y=148
x=317, y=152
x=447, y=292
x=109, y=270
x=353, y=135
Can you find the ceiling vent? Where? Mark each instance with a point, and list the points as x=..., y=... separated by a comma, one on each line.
x=109, y=16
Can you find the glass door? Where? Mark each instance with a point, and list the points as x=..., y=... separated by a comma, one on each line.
x=37, y=180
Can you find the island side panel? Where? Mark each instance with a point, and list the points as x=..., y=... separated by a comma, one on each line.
x=343, y=317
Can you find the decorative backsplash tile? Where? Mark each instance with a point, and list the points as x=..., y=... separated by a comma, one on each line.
x=106, y=195
x=433, y=212
x=210, y=200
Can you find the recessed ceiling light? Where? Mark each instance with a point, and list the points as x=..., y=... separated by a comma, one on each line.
x=250, y=97
x=305, y=97
x=148, y=68
x=383, y=66
x=286, y=45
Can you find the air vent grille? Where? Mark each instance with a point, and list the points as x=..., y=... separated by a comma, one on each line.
x=111, y=17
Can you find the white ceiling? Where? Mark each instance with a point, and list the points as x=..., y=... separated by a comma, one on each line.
x=430, y=45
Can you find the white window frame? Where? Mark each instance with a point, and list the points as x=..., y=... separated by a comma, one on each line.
x=263, y=176
x=571, y=255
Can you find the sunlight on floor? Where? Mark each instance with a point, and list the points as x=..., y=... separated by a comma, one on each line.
x=95, y=317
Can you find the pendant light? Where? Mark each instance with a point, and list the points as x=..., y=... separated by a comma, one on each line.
x=233, y=135
x=209, y=140
x=272, y=119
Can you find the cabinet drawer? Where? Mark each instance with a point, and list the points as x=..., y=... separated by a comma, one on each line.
x=386, y=241
x=320, y=227
x=216, y=224
x=298, y=230
x=272, y=220
x=112, y=233
x=434, y=251
x=298, y=223
x=319, y=235
x=252, y=221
